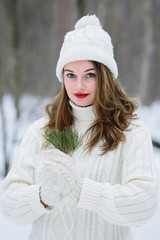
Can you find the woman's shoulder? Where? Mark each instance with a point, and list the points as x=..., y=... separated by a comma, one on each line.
x=37, y=127
x=40, y=123
x=136, y=126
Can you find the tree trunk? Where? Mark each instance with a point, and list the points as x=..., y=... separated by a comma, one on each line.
x=146, y=53
x=80, y=8
x=154, y=82
x=64, y=22
x=11, y=68
x=4, y=141
x=11, y=63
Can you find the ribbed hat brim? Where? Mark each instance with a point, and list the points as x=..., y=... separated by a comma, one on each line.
x=85, y=52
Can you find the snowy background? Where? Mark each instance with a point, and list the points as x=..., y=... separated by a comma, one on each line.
x=32, y=108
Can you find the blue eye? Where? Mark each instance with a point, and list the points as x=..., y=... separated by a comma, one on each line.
x=91, y=75
x=70, y=75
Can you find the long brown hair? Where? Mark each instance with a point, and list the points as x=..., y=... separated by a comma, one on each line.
x=113, y=108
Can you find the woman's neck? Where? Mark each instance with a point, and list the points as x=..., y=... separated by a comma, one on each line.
x=83, y=113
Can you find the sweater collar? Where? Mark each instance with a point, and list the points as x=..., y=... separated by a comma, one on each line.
x=83, y=113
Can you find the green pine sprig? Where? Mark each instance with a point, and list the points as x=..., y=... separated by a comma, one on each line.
x=66, y=140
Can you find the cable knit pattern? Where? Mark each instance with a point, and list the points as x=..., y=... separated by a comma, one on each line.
x=119, y=189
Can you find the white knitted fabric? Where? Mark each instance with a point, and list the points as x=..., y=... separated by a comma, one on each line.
x=119, y=189
x=87, y=42
x=56, y=175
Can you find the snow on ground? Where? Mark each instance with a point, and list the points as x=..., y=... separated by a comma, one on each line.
x=31, y=109
x=151, y=117
x=12, y=231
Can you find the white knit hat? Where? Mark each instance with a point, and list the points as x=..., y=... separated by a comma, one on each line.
x=87, y=42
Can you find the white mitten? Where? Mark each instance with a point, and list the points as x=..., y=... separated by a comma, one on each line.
x=57, y=176
x=76, y=192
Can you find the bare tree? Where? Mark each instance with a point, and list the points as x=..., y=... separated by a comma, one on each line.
x=80, y=8
x=11, y=67
x=65, y=13
x=147, y=51
x=153, y=88
x=10, y=63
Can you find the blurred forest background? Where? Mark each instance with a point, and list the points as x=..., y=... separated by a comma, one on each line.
x=31, y=34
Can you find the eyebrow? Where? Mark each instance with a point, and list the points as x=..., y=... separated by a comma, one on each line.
x=91, y=69
x=68, y=70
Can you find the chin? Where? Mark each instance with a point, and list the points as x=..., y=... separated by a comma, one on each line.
x=82, y=104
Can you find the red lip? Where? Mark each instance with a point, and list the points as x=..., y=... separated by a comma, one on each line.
x=81, y=95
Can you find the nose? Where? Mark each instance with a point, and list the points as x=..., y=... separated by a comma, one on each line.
x=80, y=84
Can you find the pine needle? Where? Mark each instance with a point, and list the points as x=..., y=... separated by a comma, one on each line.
x=66, y=141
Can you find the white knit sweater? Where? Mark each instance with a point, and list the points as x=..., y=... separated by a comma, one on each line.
x=119, y=188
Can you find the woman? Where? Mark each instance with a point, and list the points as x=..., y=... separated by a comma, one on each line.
x=106, y=185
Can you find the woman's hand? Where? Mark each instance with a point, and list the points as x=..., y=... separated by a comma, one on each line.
x=57, y=176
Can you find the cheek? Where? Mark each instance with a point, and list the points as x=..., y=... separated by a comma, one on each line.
x=94, y=88
x=68, y=87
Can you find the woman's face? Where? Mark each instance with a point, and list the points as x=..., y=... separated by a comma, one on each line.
x=80, y=79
